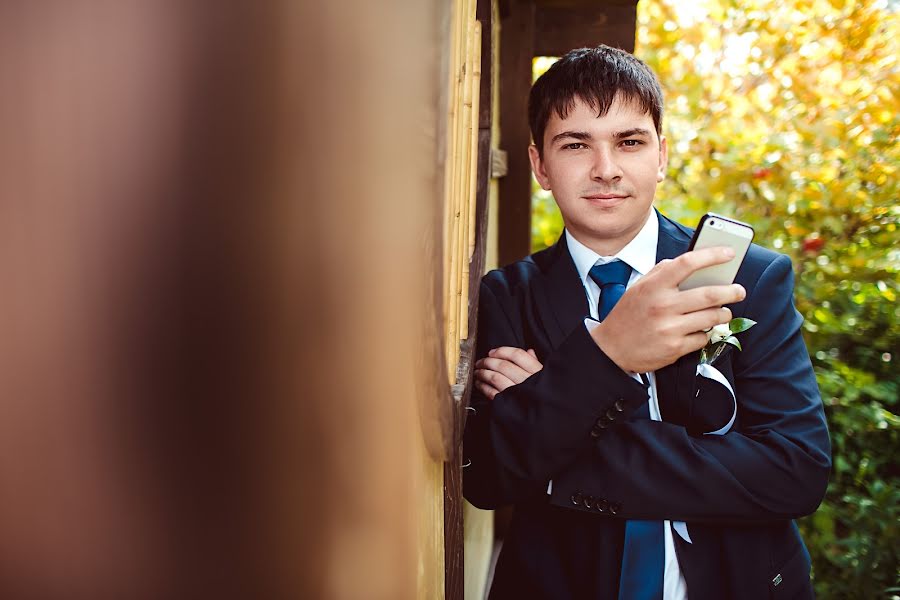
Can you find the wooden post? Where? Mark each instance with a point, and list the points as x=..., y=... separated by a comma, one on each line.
x=516, y=52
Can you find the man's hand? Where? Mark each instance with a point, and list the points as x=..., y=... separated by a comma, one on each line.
x=504, y=367
x=654, y=323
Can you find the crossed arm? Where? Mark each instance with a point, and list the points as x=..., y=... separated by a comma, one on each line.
x=533, y=420
x=654, y=309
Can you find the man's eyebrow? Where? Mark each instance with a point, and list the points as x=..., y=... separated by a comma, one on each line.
x=585, y=136
x=634, y=131
x=578, y=135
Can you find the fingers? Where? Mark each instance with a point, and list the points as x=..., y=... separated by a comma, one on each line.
x=704, y=320
x=508, y=369
x=710, y=296
x=677, y=270
x=486, y=390
x=525, y=360
x=660, y=266
x=694, y=341
x=490, y=383
x=504, y=367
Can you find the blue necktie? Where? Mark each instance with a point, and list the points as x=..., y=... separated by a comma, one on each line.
x=612, y=279
x=643, y=557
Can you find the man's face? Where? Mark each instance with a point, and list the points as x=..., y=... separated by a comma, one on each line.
x=602, y=171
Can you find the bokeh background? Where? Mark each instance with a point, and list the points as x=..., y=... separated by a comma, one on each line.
x=786, y=114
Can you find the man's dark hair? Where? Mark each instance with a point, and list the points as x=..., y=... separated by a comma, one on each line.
x=596, y=76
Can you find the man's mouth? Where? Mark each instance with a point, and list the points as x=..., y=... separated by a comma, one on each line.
x=605, y=196
x=606, y=200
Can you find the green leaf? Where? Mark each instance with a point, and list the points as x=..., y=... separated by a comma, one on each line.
x=733, y=341
x=740, y=324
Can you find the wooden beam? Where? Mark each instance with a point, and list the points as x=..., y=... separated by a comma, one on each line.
x=575, y=4
x=516, y=52
x=559, y=29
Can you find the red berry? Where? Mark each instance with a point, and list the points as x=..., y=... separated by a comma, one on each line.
x=813, y=244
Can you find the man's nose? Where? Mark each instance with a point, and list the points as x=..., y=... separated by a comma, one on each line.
x=605, y=167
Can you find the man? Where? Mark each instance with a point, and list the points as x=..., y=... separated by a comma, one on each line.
x=589, y=414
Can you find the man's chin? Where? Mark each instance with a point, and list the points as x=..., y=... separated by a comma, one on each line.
x=605, y=239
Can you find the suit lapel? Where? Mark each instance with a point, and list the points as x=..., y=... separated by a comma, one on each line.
x=675, y=384
x=561, y=300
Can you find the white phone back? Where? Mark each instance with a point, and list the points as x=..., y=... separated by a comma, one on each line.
x=734, y=236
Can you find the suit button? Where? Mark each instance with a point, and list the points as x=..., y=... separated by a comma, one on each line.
x=602, y=505
x=614, y=508
x=611, y=414
x=588, y=501
x=576, y=498
x=595, y=432
x=620, y=405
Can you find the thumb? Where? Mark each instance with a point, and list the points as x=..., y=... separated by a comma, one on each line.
x=659, y=266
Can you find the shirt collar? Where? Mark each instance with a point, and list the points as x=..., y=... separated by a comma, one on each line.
x=639, y=253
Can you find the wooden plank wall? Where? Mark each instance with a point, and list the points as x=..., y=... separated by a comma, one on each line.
x=467, y=189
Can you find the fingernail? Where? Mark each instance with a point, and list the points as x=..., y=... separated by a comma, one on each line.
x=491, y=352
x=728, y=252
x=741, y=291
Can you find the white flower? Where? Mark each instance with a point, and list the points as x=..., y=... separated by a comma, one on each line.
x=719, y=333
x=721, y=337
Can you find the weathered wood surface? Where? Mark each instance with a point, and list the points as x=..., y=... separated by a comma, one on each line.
x=516, y=52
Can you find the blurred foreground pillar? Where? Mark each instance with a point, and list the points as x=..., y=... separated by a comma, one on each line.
x=221, y=277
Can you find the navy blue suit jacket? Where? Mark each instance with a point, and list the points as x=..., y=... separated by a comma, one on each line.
x=570, y=423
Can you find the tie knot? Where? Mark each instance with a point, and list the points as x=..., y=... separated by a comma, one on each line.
x=611, y=272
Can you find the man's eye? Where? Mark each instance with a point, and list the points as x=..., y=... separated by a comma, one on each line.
x=632, y=143
x=574, y=146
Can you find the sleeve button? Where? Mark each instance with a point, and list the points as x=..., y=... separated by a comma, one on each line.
x=614, y=508
x=576, y=498
x=589, y=502
x=602, y=505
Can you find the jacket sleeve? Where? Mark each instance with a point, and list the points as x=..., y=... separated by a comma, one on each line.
x=515, y=443
x=773, y=464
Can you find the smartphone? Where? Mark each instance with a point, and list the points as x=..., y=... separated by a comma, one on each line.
x=716, y=230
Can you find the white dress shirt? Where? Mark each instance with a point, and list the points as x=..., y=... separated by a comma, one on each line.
x=640, y=255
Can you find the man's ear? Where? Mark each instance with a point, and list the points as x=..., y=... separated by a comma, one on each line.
x=537, y=167
x=663, y=158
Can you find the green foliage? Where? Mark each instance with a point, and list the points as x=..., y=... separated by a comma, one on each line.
x=784, y=114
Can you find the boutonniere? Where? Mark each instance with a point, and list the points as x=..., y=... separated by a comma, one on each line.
x=722, y=336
